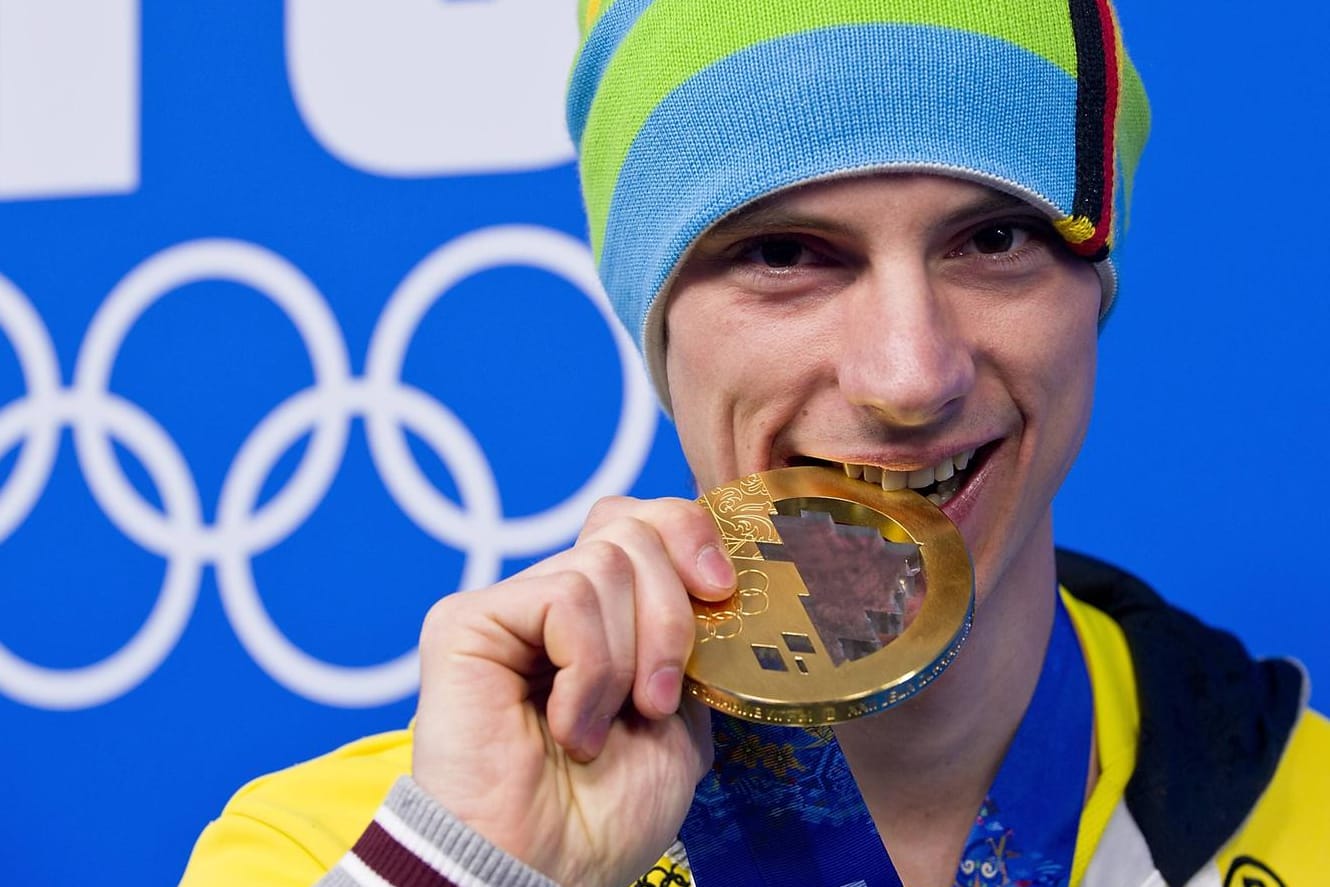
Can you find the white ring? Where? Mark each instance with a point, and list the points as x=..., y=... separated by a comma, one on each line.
x=437, y=273
x=270, y=648
x=122, y=671
x=32, y=417
x=174, y=267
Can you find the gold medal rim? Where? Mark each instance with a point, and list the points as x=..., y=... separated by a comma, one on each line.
x=906, y=665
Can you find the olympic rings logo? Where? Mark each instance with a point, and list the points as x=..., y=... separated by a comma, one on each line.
x=241, y=528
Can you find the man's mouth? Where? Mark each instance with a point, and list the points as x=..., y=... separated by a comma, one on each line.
x=938, y=483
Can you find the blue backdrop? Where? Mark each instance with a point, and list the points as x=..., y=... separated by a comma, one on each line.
x=297, y=334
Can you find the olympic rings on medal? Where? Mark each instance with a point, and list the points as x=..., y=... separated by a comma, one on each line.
x=750, y=599
x=324, y=411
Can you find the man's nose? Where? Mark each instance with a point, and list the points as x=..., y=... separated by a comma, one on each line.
x=902, y=353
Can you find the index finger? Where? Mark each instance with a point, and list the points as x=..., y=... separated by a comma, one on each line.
x=689, y=535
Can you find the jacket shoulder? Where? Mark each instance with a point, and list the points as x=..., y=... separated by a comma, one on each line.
x=1286, y=840
x=290, y=827
x=1215, y=724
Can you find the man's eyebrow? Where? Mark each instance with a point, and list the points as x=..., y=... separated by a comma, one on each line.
x=761, y=219
x=991, y=203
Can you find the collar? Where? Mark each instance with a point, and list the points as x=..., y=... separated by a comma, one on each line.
x=1213, y=721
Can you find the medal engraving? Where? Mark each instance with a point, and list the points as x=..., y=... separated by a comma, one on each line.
x=850, y=599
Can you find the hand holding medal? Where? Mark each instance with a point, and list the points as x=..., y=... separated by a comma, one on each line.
x=556, y=692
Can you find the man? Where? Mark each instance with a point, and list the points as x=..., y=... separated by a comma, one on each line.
x=872, y=234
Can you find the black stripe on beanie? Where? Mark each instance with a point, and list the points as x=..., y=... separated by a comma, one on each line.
x=1091, y=113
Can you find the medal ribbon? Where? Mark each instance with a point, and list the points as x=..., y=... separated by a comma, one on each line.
x=780, y=808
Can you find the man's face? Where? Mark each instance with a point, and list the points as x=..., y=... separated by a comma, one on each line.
x=906, y=327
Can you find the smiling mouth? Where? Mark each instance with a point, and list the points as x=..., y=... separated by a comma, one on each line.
x=937, y=483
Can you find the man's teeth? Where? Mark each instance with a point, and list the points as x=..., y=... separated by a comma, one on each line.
x=944, y=474
x=921, y=478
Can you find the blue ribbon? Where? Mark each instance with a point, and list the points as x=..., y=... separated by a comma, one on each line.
x=780, y=807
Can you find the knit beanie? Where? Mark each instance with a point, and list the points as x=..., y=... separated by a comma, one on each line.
x=684, y=111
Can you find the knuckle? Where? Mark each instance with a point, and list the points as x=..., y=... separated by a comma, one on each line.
x=606, y=508
x=605, y=561
x=592, y=681
x=573, y=588
x=614, y=502
x=687, y=520
x=441, y=620
x=598, y=673
x=673, y=629
x=638, y=531
x=676, y=620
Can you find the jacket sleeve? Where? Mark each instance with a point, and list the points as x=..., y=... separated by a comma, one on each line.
x=293, y=828
x=414, y=842
x=410, y=842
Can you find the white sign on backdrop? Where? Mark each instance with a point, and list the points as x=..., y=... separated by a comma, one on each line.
x=409, y=88
x=69, y=97
x=433, y=87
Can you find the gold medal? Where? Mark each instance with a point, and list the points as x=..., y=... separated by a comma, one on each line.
x=850, y=599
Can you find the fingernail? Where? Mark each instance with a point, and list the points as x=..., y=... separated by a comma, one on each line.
x=716, y=567
x=663, y=688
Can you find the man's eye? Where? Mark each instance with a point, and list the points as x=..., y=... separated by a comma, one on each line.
x=996, y=239
x=778, y=252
